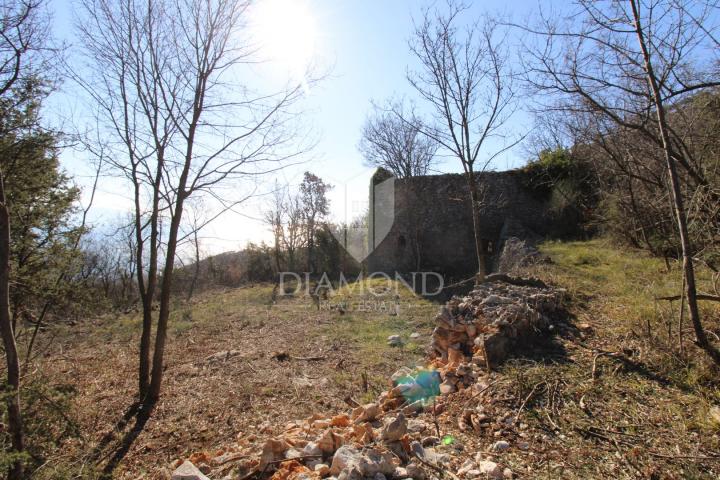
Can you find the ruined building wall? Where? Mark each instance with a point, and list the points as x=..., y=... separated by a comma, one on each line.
x=433, y=229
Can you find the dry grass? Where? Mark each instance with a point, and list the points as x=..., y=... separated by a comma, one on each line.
x=643, y=413
x=207, y=405
x=621, y=401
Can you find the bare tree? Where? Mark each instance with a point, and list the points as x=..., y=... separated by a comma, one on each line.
x=315, y=208
x=274, y=219
x=165, y=80
x=466, y=79
x=196, y=220
x=627, y=65
x=392, y=139
x=119, y=41
x=285, y=219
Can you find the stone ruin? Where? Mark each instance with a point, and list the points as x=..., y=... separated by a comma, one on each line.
x=518, y=254
x=390, y=438
x=424, y=223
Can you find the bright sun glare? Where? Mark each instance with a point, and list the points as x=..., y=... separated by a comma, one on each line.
x=286, y=31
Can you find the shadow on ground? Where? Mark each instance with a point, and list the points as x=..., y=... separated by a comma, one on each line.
x=111, y=451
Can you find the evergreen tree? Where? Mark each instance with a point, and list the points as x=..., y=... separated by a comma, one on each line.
x=42, y=200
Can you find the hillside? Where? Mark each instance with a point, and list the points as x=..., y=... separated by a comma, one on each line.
x=610, y=397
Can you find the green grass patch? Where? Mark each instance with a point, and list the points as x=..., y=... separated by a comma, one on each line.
x=202, y=311
x=376, y=309
x=616, y=290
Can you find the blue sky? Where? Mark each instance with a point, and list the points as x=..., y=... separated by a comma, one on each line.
x=365, y=44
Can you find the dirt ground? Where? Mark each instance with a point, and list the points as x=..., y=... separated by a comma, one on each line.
x=244, y=390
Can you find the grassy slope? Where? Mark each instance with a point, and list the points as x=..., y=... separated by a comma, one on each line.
x=646, y=412
x=377, y=309
x=616, y=290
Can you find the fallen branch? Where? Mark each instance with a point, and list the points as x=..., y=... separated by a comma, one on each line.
x=522, y=406
x=301, y=457
x=555, y=425
x=517, y=281
x=603, y=353
x=700, y=296
x=460, y=283
x=440, y=470
x=308, y=359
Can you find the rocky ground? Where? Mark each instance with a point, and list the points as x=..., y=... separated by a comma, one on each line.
x=399, y=436
x=465, y=415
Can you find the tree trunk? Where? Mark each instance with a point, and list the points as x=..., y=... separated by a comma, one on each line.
x=167, y=277
x=277, y=248
x=475, y=208
x=147, y=292
x=688, y=268
x=164, y=313
x=144, y=366
x=146, y=298
x=310, y=246
x=15, y=425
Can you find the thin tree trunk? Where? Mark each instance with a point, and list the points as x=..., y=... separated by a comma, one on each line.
x=688, y=268
x=680, y=320
x=15, y=424
x=144, y=365
x=277, y=246
x=147, y=291
x=146, y=300
x=633, y=205
x=167, y=277
x=475, y=208
x=164, y=313
x=310, y=246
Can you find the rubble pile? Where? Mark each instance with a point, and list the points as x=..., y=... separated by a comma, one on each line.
x=517, y=254
x=367, y=443
x=485, y=326
x=397, y=436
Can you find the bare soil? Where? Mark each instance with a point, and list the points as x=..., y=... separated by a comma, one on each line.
x=208, y=402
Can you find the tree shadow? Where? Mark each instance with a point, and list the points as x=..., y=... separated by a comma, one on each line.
x=546, y=346
x=550, y=348
x=141, y=419
x=129, y=414
x=114, y=450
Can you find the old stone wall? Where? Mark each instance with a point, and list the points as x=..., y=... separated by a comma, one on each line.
x=432, y=228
